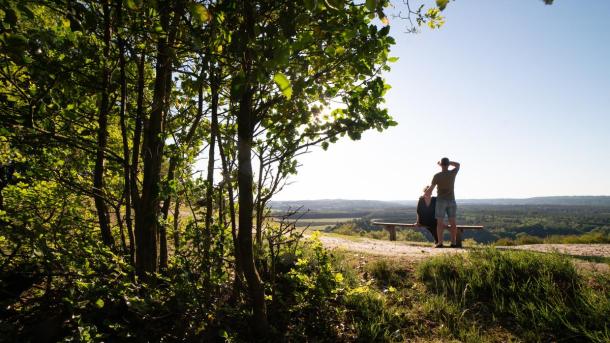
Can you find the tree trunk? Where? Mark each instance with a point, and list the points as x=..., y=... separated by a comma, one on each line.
x=246, y=204
x=102, y=138
x=126, y=173
x=147, y=224
x=173, y=163
x=207, y=238
x=259, y=211
x=176, y=226
x=245, y=128
x=135, y=154
x=227, y=181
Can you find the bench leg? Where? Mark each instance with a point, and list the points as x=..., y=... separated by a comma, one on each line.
x=460, y=232
x=392, y=230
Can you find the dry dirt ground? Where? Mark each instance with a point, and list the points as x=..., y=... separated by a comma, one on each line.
x=414, y=252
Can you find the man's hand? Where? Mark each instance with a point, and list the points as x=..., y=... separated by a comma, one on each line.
x=428, y=192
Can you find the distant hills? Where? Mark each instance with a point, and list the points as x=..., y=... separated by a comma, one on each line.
x=336, y=205
x=359, y=205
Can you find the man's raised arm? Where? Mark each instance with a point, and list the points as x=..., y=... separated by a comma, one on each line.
x=455, y=165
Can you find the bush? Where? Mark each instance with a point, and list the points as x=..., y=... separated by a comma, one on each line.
x=542, y=293
x=504, y=242
x=306, y=295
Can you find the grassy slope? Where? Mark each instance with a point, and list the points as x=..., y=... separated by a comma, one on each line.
x=486, y=295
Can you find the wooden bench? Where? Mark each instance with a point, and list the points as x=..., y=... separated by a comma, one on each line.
x=391, y=228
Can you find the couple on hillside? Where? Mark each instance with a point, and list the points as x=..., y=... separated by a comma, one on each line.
x=431, y=211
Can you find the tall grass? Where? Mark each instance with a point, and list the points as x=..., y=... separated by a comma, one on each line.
x=542, y=294
x=592, y=237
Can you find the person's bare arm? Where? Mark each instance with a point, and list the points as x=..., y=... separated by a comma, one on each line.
x=455, y=165
x=419, y=203
x=431, y=188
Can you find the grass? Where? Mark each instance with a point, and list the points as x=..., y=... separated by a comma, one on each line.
x=593, y=237
x=486, y=295
x=541, y=294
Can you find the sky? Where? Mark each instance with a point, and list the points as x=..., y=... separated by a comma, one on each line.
x=518, y=92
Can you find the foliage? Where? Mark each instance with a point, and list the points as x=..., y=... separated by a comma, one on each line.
x=109, y=231
x=106, y=109
x=305, y=302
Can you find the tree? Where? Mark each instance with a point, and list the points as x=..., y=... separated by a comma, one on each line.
x=113, y=102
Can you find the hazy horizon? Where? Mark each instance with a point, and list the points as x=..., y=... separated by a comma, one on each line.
x=414, y=199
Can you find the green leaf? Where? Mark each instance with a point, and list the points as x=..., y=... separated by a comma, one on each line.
x=383, y=18
x=371, y=5
x=281, y=55
x=310, y=5
x=200, y=13
x=441, y=4
x=133, y=5
x=99, y=303
x=283, y=84
x=392, y=59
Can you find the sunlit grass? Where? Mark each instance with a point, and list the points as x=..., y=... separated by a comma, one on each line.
x=542, y=293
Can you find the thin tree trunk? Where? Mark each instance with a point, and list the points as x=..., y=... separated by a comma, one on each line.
x=135, y=154
x=147, y=224
x=119, y=220
x=176, y=226
x=102, y=138
x=222, y=223
x=173, y=163
x=207, y=238
x=228, y=183
x=126, y=173
x=245, y=128
x=259, y=212
x=244, y=235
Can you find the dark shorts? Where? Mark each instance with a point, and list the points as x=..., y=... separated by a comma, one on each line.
x=445, y=206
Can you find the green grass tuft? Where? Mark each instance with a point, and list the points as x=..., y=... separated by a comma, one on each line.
x=542, y=293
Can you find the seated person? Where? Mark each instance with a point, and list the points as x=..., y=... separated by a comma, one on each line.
x=425, y=213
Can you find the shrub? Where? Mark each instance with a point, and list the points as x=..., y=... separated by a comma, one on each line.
x=523, y=238
x=303, y=304
x=504, y=242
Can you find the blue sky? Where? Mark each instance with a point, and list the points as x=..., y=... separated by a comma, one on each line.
x=517, y=91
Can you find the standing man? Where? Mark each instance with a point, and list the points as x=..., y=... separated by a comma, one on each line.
x=445, y=200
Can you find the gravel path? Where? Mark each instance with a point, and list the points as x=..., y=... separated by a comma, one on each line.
x=385, y=248
x=412, y=252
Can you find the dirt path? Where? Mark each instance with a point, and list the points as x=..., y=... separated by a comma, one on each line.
x=415, y=252
x=407, y=250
